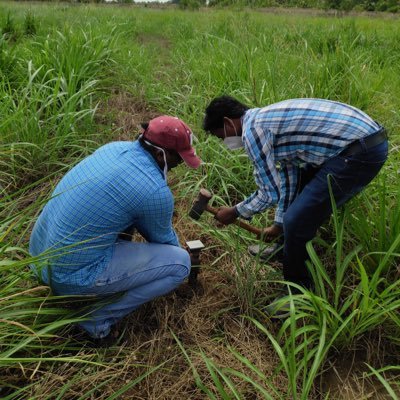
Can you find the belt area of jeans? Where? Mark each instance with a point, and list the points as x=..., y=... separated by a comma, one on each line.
x=366, y=143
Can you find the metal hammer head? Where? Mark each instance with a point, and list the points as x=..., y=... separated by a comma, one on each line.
x=200, y=204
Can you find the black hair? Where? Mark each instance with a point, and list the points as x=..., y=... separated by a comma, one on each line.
x=144, y=125
x=220, y=107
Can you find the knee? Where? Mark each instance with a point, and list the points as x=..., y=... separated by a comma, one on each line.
x=294, y=228
x=182, y=261
x=290, y=223
x=297, y=227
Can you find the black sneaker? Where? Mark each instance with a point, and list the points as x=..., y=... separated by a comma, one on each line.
x=80, y=335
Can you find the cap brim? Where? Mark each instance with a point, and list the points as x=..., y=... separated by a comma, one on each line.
x=190, y=158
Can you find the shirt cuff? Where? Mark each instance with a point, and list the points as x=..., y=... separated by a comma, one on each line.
x=244, y=211
x=278, y=217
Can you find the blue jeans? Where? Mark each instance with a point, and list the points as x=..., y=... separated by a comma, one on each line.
x=139, y=272
x=348, y=176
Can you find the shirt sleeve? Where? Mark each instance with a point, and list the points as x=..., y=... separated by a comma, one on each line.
x=289, y=175
x=154, y=222
x=259, y=146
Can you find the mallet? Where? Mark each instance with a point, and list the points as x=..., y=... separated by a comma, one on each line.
x=201, y=204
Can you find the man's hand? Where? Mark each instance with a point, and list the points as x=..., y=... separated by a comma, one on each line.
x=226, y=215
x=271, y=233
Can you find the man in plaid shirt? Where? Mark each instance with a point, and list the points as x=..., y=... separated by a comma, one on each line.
x=321, y=137
x=121, y=187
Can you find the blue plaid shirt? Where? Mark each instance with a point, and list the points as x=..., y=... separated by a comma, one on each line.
x=292, y=133
x=117, y=187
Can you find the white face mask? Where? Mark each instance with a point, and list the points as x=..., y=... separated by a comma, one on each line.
x=233, y=142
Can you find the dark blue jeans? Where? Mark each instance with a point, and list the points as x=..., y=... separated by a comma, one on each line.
x=348, y=176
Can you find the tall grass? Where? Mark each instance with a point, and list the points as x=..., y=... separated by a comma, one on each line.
x=374, y=222
x=48, y=100
x=51, y=84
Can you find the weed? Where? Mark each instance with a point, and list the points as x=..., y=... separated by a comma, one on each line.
x=29, y=24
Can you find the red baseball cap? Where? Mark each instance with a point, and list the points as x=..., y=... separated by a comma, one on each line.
x=171, y=133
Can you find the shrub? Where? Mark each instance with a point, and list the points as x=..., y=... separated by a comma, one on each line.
x=9, y=29
x=29, y=24
x=394, y=9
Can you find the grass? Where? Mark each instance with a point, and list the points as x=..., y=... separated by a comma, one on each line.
x=71, y=75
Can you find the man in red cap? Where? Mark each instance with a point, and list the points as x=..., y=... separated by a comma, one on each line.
x=119, y=188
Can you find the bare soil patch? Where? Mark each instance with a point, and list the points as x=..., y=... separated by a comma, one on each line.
x=154, y=39
x=123, y=114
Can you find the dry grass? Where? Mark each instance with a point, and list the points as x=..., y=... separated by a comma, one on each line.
x=197, y=319
x=205, y=320
x=124, y=114
x=346, y=378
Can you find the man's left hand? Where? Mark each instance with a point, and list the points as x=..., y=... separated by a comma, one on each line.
x=271, y=233
x=226, y=215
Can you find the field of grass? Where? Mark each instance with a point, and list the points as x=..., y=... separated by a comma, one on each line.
x=74, y=77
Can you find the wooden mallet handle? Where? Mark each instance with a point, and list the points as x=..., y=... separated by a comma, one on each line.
x=201, y=204
x=238, y=222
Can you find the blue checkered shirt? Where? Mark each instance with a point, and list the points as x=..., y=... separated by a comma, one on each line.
x=283, y=136
x=117, y=187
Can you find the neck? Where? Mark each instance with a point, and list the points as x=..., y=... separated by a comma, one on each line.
x=237, y=122
x=153, y=152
